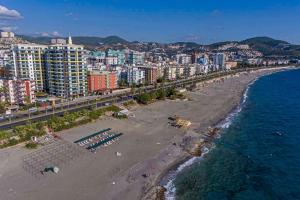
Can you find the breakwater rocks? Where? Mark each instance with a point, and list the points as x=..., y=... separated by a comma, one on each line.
x=155, y=193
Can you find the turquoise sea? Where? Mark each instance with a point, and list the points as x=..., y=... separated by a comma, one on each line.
x=258, y=155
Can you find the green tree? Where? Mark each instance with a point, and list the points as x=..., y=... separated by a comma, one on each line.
x=161, y=80
x=27, y=100
x=170, y=92
x=2, y=108
x=161, y=94
x=144, y=98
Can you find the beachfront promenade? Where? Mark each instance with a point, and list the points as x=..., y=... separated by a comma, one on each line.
x=102, y=101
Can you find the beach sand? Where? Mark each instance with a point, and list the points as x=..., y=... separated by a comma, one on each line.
x=149, y=146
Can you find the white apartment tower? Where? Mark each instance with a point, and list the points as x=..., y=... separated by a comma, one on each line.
x=29, y=63
x=66, y=70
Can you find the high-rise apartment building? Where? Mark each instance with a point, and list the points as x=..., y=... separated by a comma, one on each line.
x=219, y=60
x=29, y=63
x=66, y=70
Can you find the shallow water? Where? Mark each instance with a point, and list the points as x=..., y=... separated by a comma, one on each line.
x=258, y=155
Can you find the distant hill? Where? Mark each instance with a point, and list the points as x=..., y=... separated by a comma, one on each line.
x=218, y=44
x=187, y=44
x=268, y=46
x=267, y=41
x=84, y=40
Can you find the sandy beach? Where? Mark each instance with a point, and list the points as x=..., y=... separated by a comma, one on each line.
x=149, y=148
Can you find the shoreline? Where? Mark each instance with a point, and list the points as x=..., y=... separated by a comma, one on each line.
x=166, y=173
x=150, y=148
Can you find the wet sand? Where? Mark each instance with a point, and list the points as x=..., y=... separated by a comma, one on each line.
x=147, y=146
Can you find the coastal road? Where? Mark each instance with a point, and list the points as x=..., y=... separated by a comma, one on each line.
x=94, y=101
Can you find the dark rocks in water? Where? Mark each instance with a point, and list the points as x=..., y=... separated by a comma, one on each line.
x=160, y=193
x=213, y=131
x=155, y=193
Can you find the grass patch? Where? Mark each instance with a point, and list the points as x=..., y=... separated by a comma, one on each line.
x=31, y=145
x=69, y=120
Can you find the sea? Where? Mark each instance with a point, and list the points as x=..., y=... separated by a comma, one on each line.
x=257, y=156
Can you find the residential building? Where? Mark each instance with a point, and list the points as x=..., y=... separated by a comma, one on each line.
x=195, y=57
x=170, y=72
x=203, y=60
x=111, y=60
x=189, y=71
x=150, y=74
x=219, y=60
x=180, y=71
x=66, y=70
x=136, y=58
x=28, y=63
x=135, y=76
x=17, y=91
x=115, y=57
x=183, y=59
x=96, y=59
x=7, y=34
x=102, y=81
x=202, y=69
x=58, y=41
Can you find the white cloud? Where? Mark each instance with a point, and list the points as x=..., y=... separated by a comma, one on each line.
x=49, y=34
x=55, y=33
x=45, y=34
x=191, y=38
x=8, y=28
x=6, y=13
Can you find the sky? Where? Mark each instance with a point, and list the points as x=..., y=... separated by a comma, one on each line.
x=201, y=21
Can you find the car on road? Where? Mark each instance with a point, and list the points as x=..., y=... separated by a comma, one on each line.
x=33, y=109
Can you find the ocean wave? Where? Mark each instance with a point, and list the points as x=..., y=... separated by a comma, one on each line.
x=170, y=193
x=231, y=116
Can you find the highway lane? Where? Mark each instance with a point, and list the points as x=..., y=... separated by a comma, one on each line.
x=87, y=102
x=44, y=116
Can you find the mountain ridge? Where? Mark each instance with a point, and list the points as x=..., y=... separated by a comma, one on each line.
x=267, y=45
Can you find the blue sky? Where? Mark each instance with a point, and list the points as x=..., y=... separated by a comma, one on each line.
x=201, y=21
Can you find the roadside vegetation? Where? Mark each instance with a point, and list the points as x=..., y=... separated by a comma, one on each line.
x=161, y=94
x=129, y=103
x=69, y=120
x=31, y=145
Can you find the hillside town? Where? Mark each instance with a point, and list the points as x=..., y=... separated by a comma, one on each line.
x=33, y=74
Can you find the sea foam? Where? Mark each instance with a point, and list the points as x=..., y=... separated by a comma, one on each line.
x=170, y=193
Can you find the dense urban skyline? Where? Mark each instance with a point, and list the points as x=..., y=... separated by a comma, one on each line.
x=167, y=21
